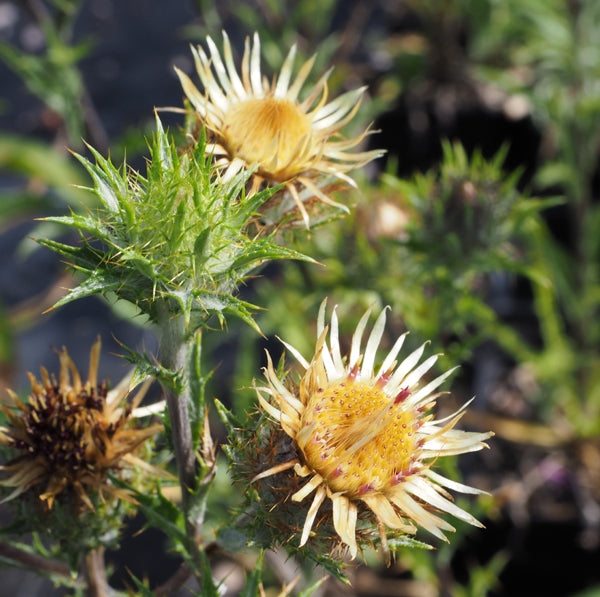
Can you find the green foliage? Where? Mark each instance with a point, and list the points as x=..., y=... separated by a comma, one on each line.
x=467, y=216
x=63, y=533
x=429, y=247
x=178, y=239
x=554, y=60
x=593, y=592
x=483, y=579
x=197, y=386
x=165, y=515
x=36, y=161
x=253, y=581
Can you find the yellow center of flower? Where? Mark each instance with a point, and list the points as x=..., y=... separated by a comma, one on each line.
x=270, y=132
x=357, y=437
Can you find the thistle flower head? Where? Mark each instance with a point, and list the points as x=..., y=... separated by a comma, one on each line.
x=265, y=125
x=70, y=435
x=366, y=438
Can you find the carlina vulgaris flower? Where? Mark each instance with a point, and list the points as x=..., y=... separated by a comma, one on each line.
x=70, y=435
x=366, y=437
x=266, y=126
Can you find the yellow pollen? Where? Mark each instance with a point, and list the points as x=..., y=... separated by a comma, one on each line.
x=356, y=438
x=270, y=132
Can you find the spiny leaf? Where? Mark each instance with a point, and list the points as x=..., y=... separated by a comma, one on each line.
x=247, y=207
x=201, y=245
x=227, y=417
x=222, y=304
x=148, y=365
x=197, y=384
x=163, y=514
x=109, y=185
x=162, y=148
x=83, y=257
x=262, y=250
x=208, y=586
x=399, y=543
x=90, y=287
x=87, y=224
x=310, y=590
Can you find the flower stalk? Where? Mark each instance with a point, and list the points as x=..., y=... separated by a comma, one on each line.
x=179, y=353
x=173, y=350
x=94, y=572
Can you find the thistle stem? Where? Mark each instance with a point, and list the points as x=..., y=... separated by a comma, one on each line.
x=173, y=356
x=94, y=571
x=33, y=561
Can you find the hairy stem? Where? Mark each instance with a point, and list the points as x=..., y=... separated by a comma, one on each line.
x=173, y=356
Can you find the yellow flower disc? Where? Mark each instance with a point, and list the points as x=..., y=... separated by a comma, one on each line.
x=366, y=436
x=268, y=131
x=356, y=439
x=286, y=135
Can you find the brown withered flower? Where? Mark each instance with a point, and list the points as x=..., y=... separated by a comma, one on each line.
x=69, y=435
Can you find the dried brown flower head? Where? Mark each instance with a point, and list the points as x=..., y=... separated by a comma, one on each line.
x=69, y=435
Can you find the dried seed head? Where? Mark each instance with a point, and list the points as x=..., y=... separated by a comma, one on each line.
x=69, y=435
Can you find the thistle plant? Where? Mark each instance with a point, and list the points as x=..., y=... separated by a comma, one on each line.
x=178, y=242
x=66, y=440
x=292, y=142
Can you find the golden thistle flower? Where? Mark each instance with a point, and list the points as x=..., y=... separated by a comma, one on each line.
x=70, y=434
x=257, y=124
x=366, y=436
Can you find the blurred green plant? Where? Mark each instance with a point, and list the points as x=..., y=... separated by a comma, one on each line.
x=548, y=53
x=428, y=246
x=53, y=75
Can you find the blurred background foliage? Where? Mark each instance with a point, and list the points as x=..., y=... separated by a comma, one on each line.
x=479, y=228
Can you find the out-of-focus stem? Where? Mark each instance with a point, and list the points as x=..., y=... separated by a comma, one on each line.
x=94, y=572
x=33, y=561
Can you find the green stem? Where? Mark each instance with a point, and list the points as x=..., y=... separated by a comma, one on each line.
x=174, y=352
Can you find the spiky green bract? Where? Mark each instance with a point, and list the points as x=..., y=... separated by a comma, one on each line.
x=179, y=239
x=465, y=218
